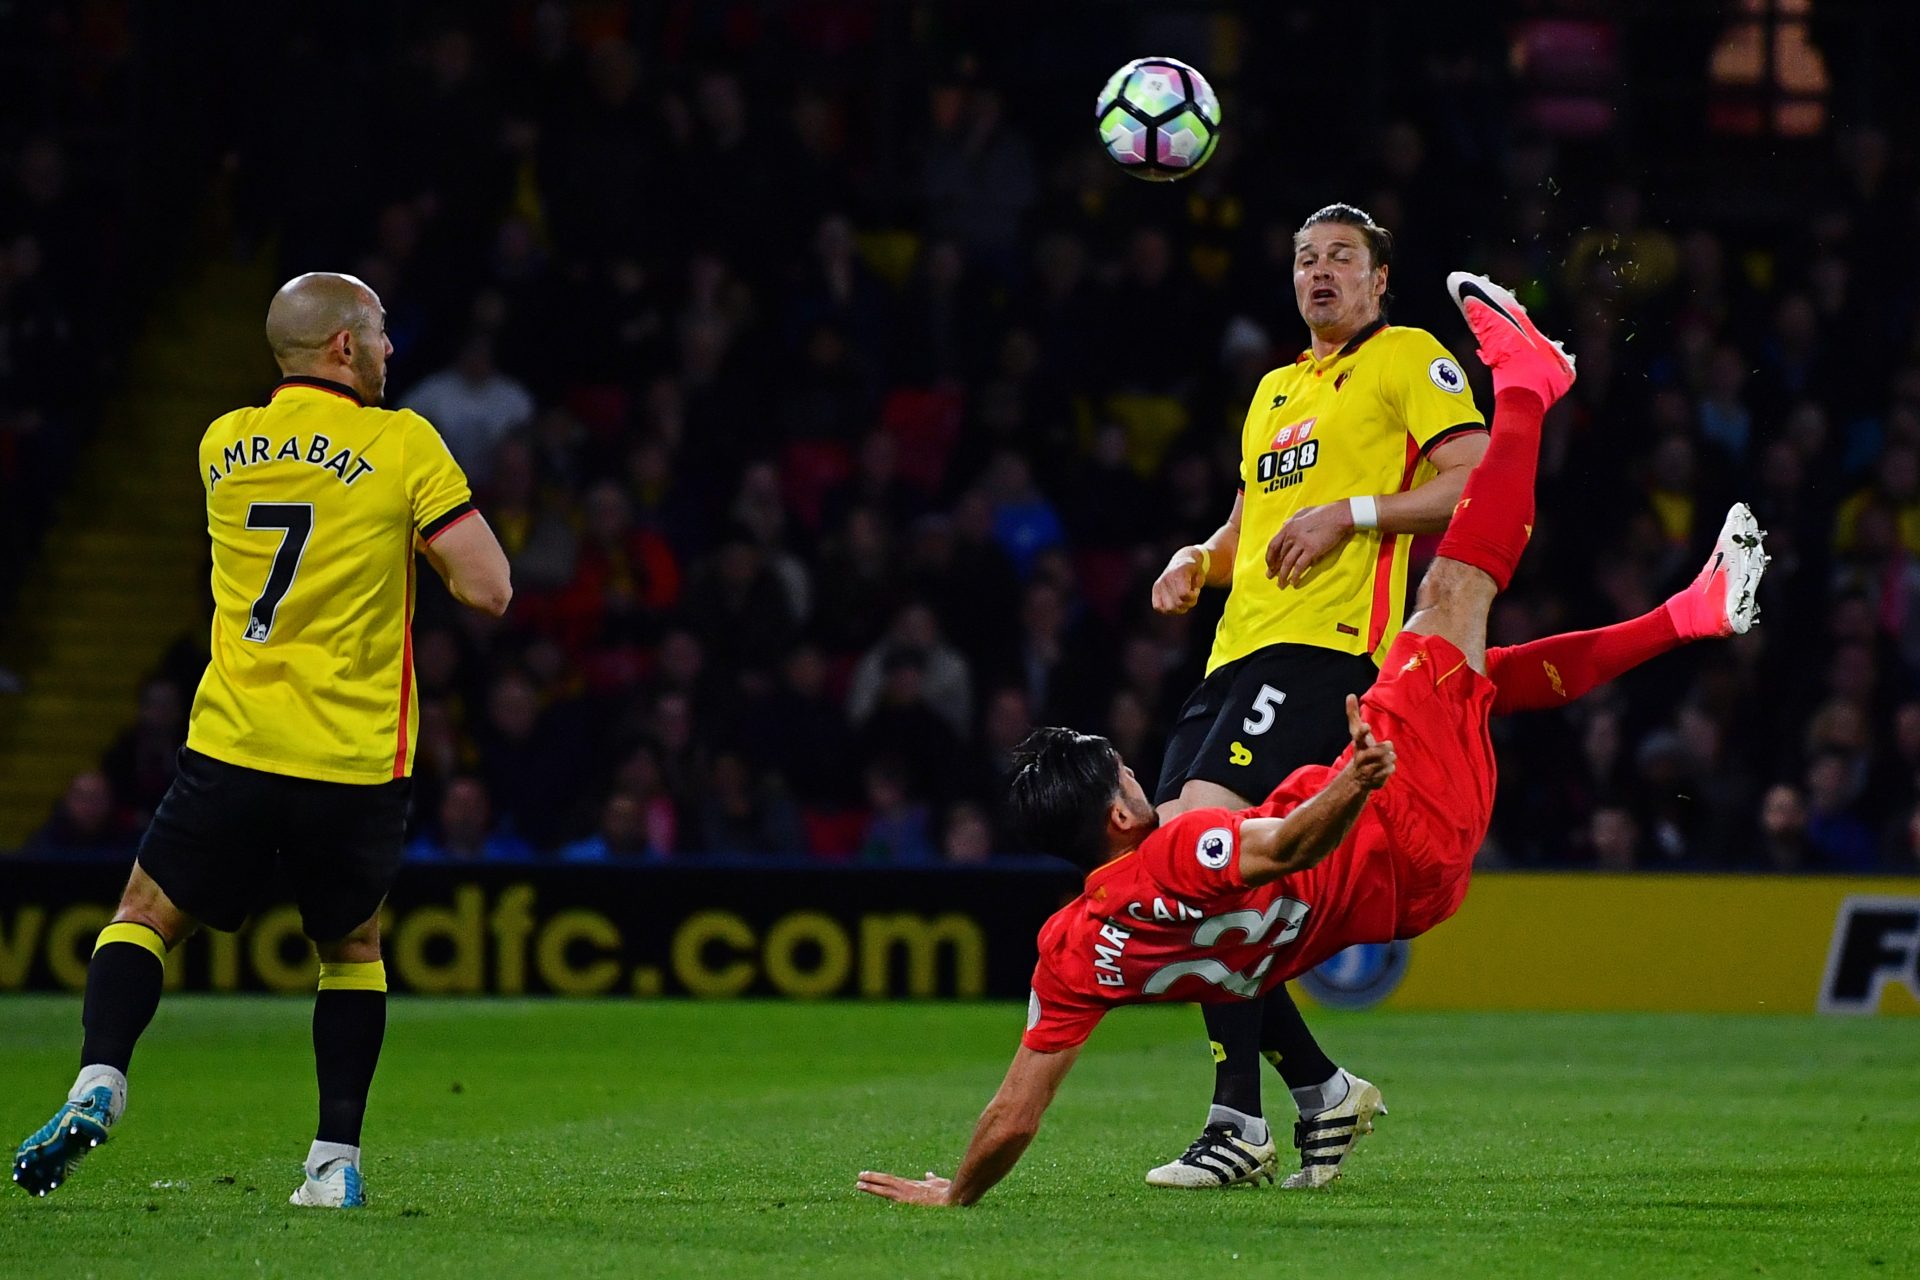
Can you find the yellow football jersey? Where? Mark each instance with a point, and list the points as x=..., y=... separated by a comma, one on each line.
x=1357, y=424
x=313, y=502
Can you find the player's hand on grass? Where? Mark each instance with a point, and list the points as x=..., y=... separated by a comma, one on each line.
x=1373, y=762
x=1307, y=536
x=932, y=1189
x=1177, y=589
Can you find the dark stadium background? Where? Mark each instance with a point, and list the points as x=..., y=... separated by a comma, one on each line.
x=838, y=401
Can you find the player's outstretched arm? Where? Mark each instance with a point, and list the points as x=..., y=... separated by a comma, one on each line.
x=1006, y=1127
x=1275, y=847
x=1204, y=564
x=468, y=558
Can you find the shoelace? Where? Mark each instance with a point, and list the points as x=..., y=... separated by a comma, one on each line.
x=1211, y=1137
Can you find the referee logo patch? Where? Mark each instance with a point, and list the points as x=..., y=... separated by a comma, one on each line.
x=1446, y=375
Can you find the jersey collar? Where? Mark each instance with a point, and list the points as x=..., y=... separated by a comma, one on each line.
x=1353, y=344
x=319, y=384
x=1109, y=864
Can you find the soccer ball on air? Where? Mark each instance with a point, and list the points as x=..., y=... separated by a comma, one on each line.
x=1159, y=119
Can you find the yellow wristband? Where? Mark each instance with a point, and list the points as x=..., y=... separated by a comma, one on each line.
x=1206, y=565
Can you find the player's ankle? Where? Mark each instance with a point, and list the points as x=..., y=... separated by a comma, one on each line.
x=1251, y=1128
x=1317, y=1099
x=322, y=1156
x=99, y=1075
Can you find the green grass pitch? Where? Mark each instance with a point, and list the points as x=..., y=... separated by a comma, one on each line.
x=716, y=1140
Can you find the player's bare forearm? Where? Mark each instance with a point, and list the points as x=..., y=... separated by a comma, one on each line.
x=1428, y=507
x=1000, y=1138
x=1199, y=565
x=1223, y=546
x=1307, y=835
x=1274, y=847
x=1425, y=509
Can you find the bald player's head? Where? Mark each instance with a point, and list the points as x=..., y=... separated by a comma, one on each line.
x=328, y=325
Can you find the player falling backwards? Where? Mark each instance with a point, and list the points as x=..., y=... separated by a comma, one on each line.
x=1220, y=904
x=300, y=748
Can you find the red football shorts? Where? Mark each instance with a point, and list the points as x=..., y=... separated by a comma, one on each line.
x=1433, y=707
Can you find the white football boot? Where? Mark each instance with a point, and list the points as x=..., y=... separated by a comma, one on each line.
x=1325, y=1141
x=1723, y=599
x=338, y=1186
x=1219, y=1157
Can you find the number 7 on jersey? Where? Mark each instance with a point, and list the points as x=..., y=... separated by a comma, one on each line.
x=296, y=520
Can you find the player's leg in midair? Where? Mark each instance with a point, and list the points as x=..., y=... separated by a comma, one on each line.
x=1489, y=531
x=1494, y=517
x=1722, y=600
x=123, y=991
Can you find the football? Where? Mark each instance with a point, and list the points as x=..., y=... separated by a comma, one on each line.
x=1159, y=119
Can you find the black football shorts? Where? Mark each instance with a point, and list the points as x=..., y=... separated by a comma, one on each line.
x=1257, y=719
x=225, y=837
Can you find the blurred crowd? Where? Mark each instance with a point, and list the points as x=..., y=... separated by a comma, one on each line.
x=56, y=256
x=837, y=410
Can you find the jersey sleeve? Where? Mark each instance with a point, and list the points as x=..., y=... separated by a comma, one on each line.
x=1057, y=1017
x=1431, y=391
x=437, y=489
x=1196, y=857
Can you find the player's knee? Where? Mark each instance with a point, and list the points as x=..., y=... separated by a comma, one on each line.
x=1449, y=583
x=145, y=903
x=172, y=928
x=1198, y=793
x=362, y=946
x=353, y=963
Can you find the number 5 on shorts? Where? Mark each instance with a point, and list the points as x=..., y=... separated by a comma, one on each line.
x=296, y=518
x=1265, y=703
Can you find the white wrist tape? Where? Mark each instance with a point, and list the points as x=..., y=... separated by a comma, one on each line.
x=1366, y=513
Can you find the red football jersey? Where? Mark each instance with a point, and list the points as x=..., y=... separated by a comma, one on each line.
x=1173, y=920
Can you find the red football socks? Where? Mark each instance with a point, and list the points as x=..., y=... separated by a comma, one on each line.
x=1554, y=670
x=1494, y=518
